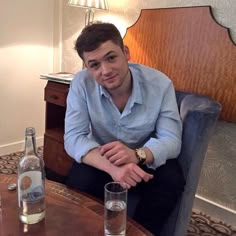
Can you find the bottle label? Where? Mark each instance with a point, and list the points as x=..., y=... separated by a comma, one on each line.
x=30, y=187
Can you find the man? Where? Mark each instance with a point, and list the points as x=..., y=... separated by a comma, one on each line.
x=122, y=124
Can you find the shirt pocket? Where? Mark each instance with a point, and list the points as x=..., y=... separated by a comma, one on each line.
x=138, y=131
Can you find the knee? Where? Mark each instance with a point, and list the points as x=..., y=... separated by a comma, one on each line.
x=87, y=179
x=80, y=176
x=169, y=179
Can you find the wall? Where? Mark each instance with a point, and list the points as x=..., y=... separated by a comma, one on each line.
x=26, y=50
x=124, y=13
x=217, y=190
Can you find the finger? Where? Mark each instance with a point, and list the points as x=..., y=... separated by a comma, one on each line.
x=133, y=178
x=106, y=147
x=111, y=155
x=131, y=182
x=144, y=175
x=147, y=177
x=119, y=162
x=125, y=185
x=136, y=177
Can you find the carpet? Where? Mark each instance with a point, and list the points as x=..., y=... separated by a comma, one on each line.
x=200, y=223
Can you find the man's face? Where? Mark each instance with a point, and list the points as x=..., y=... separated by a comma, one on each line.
x=108, y=65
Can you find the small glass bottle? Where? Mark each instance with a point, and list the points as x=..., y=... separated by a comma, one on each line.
x=31, y=182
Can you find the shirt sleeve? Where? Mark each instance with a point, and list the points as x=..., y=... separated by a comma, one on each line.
x=78, y=140
x=166, y=142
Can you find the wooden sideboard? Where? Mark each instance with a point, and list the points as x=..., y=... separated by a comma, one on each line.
x=57, y=162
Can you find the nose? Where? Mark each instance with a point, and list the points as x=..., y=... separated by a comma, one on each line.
x=106, y=68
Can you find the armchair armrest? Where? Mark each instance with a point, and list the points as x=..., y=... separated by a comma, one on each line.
x=199, y=115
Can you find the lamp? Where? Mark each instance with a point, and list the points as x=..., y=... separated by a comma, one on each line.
x=90, y=6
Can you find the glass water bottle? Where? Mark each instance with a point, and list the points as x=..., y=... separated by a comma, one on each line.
x=31, y=182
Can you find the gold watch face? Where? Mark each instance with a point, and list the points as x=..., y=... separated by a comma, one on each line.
x=141, y=154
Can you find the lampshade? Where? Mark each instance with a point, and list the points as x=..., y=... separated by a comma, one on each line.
x=94, y=4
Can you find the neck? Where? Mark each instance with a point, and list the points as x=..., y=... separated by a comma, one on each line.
x=121, y=95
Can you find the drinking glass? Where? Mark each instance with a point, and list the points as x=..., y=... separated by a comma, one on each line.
x=115, y=208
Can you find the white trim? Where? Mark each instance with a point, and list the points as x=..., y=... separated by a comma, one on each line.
x=215, y=210
x=17, y=146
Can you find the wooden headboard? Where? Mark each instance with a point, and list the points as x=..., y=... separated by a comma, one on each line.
x=189, y=46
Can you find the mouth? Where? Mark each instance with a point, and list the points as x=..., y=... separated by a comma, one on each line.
x=109, y=78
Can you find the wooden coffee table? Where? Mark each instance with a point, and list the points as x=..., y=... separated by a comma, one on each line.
x=68, y=213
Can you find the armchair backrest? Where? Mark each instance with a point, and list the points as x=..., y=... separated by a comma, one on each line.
x=199, y=115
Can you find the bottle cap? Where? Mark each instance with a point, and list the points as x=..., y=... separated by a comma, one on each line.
x=11, y=186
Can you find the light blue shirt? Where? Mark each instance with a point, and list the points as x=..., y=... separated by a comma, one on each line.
x=150, y=118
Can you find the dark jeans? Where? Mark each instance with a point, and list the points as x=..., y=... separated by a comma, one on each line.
x=149, y=203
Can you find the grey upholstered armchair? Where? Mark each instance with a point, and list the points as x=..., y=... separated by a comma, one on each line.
x=199, y=115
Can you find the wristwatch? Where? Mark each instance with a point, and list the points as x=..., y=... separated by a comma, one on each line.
x=141, y=155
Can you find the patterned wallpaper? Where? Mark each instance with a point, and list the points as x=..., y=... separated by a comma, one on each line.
x=217, y=181
x=124, y=13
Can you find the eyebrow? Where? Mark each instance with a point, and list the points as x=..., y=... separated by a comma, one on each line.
x=107, y=54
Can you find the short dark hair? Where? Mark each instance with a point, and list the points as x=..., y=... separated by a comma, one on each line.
x=92, y=36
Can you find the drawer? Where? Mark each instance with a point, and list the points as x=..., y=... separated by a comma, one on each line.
x=56, y=97
x=55, y=157
x=56, y=94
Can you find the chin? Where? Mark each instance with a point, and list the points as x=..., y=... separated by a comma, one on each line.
x=111, y=86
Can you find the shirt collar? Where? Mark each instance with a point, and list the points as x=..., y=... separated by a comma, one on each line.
x=137, y=95
x=103, y=92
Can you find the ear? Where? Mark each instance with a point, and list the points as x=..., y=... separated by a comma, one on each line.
x=127, y=52
x=84, y=64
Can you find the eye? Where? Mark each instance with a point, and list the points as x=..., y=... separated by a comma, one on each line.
x=111, y=58
x=94, y=65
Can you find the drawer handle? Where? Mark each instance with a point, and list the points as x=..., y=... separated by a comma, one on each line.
x=54, y=96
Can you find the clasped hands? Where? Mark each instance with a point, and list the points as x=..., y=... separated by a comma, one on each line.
x=124, y=160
